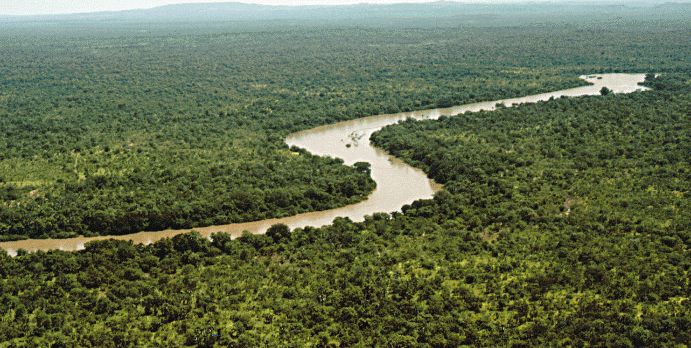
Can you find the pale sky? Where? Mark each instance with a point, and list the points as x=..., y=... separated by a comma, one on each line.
x=34, y=7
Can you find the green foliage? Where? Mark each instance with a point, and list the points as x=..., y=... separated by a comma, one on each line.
x=602, y=162
x=278, y=233
x=120, y=145
x=563, y=223
x=126, y=133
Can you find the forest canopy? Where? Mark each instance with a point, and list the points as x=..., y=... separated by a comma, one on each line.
x=531, y=249
x=118, y=134
x=563, y=223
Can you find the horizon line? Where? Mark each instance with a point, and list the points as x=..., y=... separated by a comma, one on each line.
x=331, y=4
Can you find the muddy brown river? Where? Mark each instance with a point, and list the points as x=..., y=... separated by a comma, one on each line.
x=397, y=183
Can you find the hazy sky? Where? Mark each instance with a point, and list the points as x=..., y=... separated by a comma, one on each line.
x=32, y=7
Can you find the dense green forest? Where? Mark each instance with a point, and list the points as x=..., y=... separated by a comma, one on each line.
x=113, y=135
x=565, y=223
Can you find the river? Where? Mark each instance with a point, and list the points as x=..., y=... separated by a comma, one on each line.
x=397, y=183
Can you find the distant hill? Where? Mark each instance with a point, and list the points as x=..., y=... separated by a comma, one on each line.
x=241, y=11
x=442, y=13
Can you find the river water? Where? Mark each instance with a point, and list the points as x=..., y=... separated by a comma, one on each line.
x=397, y=183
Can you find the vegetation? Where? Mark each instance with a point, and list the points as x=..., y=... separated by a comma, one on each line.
x=121, y=134
x=118, y=135
x=562, y=223
x=527, y=246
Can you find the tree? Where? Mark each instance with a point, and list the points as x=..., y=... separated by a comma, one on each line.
x=278, y=232
x=363, y=167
